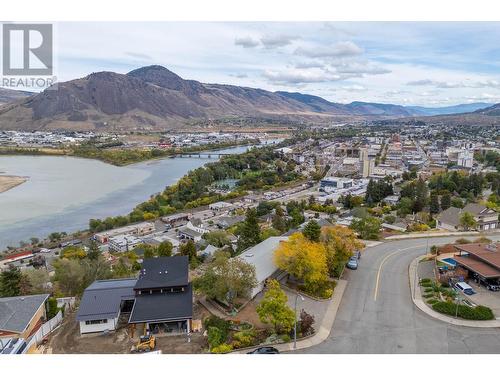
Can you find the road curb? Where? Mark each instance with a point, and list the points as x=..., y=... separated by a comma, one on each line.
x=416, y=297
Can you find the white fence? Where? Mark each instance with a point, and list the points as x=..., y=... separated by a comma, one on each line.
x=67, y=302
x=44, y=330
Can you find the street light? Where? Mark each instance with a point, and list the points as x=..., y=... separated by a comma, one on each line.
x=295, y=325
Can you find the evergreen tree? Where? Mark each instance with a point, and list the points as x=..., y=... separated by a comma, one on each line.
x=249, y=233
x=10, y=281
x=93, y=252
x=312, y=231
x=279, y=222
x=164, y=249
x=445, y=201
x=434, y=204
x=189, y=249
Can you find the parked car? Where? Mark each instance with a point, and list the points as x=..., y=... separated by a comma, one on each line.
x=353, y=263
x=490, y=286
x=265, y=350
x=465, y=288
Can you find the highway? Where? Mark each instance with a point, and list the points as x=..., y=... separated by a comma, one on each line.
x=377, y=315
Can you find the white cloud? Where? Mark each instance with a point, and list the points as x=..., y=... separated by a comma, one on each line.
x=341, y=49
x=274, y=41
x=246, y=42
x=296, y=76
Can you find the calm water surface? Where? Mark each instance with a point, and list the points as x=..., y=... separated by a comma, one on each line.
x=63, y=193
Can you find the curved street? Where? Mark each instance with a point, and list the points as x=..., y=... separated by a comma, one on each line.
x=377, y=315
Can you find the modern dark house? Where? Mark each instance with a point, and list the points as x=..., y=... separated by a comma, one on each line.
x=161, y=298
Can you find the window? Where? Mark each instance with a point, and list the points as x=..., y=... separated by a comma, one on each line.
x=97, y=321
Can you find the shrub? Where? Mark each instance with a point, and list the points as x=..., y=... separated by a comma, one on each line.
x=428, y=290
x=464, y=312
x=432, y=301
x=462, y=241
x=244, y=338
x=306, y=323
x=222, y=324
x=326, y=293
x=221, y=349
x=215, y=337
x=428, y=295
x=285, y=338
x=52, y=308
x=424, y=281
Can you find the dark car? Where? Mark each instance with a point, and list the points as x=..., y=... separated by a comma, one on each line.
x=265, y=350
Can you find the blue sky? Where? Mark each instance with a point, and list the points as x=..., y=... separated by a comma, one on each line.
x=433, y=64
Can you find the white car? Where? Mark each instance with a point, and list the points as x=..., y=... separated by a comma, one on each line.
x=44, y=250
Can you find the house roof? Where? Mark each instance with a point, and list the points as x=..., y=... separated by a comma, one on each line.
x=474, y=208
x=477, y=266
x=163, y=272
x=450, y=216
x=162, y=307
x=261, y=256
x=486, y=253
x=189, y=232
x=103, y=298
x=17, y=312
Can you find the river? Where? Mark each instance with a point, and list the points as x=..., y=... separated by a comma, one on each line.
x=63, y=193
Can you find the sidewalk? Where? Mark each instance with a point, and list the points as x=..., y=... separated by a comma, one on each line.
x=322, y=332
x=436, y=234
x=416, y=296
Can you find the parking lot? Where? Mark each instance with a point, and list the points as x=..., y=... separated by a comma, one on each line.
x=485, y=297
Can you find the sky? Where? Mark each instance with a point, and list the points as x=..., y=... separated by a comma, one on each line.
x=430, y=64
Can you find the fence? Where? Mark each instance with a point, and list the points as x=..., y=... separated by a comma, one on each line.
x=44, y=330
x=67, y=302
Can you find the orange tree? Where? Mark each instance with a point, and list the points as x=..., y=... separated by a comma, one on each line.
x=306, y=261
x=340, y=243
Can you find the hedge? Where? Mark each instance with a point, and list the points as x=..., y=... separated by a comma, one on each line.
x=464, y=312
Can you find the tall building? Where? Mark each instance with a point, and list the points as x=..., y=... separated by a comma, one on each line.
x=366, y=163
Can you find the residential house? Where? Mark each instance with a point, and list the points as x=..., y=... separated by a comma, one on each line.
x=20, y=317
x=261, y=257
x=480, y=260
x=161, y=298
x=486, y=218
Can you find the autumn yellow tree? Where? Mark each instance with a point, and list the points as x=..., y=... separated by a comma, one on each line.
x=340, y=243
x=306, y=261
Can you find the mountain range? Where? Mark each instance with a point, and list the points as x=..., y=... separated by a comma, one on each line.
x=154, y=98
x=8, y=96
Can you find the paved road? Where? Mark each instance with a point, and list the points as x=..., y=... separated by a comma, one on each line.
x=383, y=319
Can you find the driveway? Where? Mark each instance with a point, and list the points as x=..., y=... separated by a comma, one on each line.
x=377, y=315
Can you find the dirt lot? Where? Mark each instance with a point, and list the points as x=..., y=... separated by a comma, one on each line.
x=67, y=340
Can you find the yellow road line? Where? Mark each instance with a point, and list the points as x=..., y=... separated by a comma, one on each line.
x=377, y=280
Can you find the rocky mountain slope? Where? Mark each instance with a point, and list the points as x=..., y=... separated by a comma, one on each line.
x=154, y=98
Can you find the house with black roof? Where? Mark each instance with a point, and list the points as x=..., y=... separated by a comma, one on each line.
x=161, y=298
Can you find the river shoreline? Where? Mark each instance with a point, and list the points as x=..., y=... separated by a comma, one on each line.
x=121, y=157
x=8, y=182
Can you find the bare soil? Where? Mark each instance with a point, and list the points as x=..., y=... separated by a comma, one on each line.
x=9, y=182
x=67, y=339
